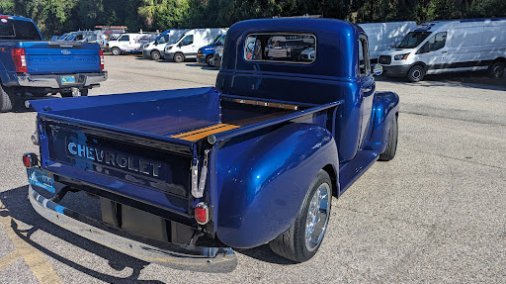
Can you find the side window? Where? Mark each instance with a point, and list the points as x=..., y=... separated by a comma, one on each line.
x=364, y=63
x=163, y=39
x=187, y=40
x=124, y=38
x=290, y=48
x=436, y=42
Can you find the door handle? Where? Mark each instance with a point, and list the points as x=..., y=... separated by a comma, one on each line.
x=444, y=52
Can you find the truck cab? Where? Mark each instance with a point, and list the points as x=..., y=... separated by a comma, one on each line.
x=184, y=176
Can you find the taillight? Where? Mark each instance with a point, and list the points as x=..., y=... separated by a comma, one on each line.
x=30, y=160
x=202, y=213
x=102, y=59
x=19, y=58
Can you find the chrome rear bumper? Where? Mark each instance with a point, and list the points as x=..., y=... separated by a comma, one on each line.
x=207, y=259
x=53, y=81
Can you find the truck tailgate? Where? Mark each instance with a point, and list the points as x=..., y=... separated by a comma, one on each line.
x=61, y=57
x=122, y=143
x=151, y=172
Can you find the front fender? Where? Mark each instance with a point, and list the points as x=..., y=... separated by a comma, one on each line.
x=263, y=189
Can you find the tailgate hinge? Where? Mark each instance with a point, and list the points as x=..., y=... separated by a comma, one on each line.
x=198, y=185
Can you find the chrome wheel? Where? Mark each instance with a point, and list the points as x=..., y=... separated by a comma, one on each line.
x=317, y=216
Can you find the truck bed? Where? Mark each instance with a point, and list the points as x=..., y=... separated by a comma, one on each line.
x=188, y=115
x=142, y=145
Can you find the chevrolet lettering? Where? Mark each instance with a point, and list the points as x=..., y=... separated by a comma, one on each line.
x=182, y=177
x=117, y=160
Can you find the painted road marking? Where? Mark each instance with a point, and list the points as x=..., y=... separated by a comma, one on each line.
x=36, y=261
x=9, y=259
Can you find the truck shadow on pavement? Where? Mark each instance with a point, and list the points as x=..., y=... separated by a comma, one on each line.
x=202, y=66
x=17, y=206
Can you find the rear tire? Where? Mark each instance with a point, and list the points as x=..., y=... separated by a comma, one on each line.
x=393, y=136
x=496, y=70
x=302, y=240
x=416, y=73
x=116, y=51
x=155, y=55
x=178, y=57
x=7, y=101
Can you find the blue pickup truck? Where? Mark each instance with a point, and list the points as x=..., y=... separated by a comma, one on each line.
x=30, y=67
x=183, y=176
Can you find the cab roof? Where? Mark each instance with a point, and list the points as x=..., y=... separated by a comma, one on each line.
x=336, y=46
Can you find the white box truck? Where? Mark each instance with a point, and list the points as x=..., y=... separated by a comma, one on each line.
x=448, y=46
x=384, y=36
x=189, y=44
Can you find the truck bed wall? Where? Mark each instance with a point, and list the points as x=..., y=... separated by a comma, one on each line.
x=158, y=113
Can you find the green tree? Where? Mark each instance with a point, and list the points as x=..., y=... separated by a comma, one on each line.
x=89, y=13
x=162, y=14
x=6, y=7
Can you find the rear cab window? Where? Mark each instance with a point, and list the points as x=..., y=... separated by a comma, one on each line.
x=280, y=47
x=18, y=30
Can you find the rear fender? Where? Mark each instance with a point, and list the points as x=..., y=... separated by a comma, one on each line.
x=385, y=110
x=263, y=189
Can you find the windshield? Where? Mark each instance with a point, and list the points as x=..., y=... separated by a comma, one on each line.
x=13, y=29
x=219, y=40
x=176, y=41
x=413, y=39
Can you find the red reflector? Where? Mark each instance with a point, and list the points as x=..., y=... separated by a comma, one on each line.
x=19, y=58
x=202, y=213
x=29, y=160
x=102, y=59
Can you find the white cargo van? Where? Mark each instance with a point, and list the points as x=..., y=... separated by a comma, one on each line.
x=126, y=43
x=446, y=46
x=188, y=45
x=384, y=36
x=154, y=49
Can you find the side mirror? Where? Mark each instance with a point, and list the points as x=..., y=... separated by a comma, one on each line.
x=377, y=70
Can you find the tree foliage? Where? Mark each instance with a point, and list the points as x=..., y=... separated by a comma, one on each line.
x=58, y=16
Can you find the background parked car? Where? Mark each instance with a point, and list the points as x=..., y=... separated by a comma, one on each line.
x=384, y=36
x=126, y=43
x=217, y=57
x=446, y=46
x=189, y=44
x=206, y=53
x=154, y=49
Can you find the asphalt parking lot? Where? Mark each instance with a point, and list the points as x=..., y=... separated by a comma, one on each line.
x=436, y=213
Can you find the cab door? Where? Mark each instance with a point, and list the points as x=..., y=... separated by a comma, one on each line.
x=367, y=87
x=187, y=46
x=124, y=42
x=434, y=52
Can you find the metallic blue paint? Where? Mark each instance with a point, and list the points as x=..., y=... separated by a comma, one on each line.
x=262, y=180
x=49, y=59
x=260, y=172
